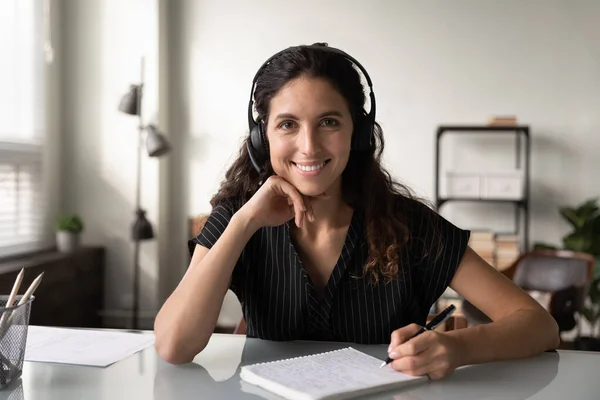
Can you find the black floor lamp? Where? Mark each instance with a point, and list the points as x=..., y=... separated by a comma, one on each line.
x=156, y=146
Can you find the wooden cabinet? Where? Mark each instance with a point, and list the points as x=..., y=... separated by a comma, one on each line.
x=71, y=292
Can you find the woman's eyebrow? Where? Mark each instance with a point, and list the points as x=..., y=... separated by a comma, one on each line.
x=286, y=116
x=332, y=113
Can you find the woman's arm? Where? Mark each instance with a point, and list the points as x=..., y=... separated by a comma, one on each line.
x=520, y=326
x=188, y=318
x=186, y=321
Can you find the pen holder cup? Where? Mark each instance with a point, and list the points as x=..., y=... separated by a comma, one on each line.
x=14, y=322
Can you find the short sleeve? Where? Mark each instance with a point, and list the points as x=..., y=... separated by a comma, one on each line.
x=210, y=233
x=213, y=228
x=438, y=248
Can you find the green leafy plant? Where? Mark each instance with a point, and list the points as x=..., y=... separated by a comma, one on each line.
x=584, y=237
x=70, y=223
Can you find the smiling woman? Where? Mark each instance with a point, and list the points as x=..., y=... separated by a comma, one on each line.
x=319, y=242
x=309, y=133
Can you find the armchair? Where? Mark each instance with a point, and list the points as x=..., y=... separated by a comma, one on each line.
x=564, y=275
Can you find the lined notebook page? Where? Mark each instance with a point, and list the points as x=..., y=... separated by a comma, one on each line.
x=346, y=371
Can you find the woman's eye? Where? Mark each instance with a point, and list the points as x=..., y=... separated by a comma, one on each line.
x=286, y=125
x=329, y=122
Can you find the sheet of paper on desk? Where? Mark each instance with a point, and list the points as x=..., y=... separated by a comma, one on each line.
x=82, y=346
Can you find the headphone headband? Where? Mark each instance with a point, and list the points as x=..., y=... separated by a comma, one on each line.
x=252, y=122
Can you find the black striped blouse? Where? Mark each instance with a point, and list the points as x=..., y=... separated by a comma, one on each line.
x=279, y=301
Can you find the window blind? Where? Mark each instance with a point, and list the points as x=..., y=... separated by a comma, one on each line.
x=21, y=207
x=22, y=126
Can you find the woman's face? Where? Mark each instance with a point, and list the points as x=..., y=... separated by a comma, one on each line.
x=309, y=129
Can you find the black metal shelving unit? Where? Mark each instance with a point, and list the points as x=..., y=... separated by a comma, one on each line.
x=521, y=206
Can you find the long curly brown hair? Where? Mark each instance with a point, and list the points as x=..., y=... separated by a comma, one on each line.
x=366, y=185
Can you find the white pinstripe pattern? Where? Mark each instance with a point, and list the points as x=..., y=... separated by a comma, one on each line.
x=280, y=303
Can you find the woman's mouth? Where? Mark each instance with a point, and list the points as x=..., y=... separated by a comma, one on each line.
x=310, y=168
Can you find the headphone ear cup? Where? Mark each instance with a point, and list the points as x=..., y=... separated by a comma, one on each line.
x=263, y=141
x=361, y=140
x=257, y=147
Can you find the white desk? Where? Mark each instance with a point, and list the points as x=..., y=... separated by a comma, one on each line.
x=214, y=375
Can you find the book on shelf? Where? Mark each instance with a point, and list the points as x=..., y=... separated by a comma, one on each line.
x=504, y=263
x=507, y=238
x=508, y=251
x=502, y=120
x=482, y=243
x=482, y=235
x=498, y=250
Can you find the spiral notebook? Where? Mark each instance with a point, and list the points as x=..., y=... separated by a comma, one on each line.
x=338, y=374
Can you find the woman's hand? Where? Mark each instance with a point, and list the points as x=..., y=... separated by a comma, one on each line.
x=431, y=353
x=276, y=202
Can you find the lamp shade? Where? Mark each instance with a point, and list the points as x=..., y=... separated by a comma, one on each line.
x=142, y=228
x=156, y=144
x=130, y=102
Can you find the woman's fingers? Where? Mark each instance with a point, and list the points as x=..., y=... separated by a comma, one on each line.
x=403, y=334
x=413, y=365
x=298, y=202
x=302, y=207
x=413, y=346
x=430, y=353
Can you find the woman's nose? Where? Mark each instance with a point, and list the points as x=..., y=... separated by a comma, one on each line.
x=309, y=140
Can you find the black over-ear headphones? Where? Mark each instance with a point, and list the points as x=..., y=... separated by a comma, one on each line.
x=258, y=147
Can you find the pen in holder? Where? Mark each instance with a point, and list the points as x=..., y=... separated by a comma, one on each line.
x=14, y=323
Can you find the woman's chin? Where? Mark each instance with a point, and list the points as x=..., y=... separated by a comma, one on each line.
x=312, y=187
x=312, y=191
x=315, y=188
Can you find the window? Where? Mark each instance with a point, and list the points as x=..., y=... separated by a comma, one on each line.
x=22, y=126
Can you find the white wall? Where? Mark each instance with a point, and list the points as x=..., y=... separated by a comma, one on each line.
x=103, y=42
x=431, y=62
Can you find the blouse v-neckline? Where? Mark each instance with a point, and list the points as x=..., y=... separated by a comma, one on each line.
x=319, y=308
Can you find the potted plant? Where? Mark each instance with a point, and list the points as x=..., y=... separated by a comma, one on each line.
x=68, y=230
x=585, y=237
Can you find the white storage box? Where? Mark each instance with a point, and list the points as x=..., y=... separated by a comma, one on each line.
x=502, y=185
x=505, y=185
x=463, y=184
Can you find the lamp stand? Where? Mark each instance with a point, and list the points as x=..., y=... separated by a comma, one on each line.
x=138, y=211
x=136, y=288
x=156, y=146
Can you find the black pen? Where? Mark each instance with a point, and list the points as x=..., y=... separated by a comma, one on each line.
x=434, y=323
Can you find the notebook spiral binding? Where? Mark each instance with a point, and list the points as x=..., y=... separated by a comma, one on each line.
x=300, y=357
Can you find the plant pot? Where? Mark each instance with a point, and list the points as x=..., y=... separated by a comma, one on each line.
x=587, y=343
x=67, y=242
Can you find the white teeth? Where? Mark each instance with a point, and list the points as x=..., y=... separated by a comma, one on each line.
x=308, y=168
